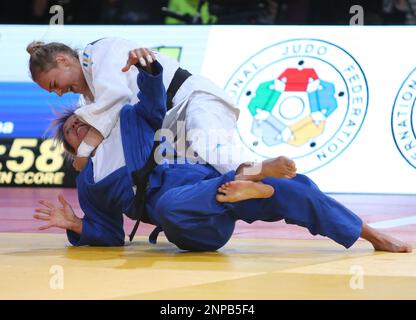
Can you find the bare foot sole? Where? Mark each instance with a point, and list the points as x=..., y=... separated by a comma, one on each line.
x=280, y=167
x=234, y=191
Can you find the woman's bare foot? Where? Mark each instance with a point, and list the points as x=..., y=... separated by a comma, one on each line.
x=280, y=167
x=234, y=191
x=383, y=242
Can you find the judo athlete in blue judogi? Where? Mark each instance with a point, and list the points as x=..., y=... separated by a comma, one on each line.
x=194, y=205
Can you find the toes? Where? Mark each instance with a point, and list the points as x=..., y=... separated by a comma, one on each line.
x=400, y=246
x=402, y=249
x=221, y=198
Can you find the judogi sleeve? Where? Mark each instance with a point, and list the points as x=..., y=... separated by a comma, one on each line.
x=95, y=233
x=152, y=96
x=98, y=232
x=102, y=224
x=111, y=88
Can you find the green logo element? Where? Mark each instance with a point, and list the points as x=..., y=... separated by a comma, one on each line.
x=173, y=52
x=265, y=99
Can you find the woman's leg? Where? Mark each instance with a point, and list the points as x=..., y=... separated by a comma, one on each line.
x=193, y=220
x=299, y=201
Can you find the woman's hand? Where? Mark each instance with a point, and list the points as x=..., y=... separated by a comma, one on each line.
x=143, y=56
x=58, y=216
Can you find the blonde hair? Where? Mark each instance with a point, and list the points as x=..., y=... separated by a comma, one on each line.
x=42, y=56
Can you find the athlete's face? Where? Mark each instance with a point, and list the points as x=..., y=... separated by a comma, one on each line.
x=66, y=77
x=74, y=131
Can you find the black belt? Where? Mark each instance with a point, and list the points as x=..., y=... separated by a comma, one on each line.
x=178, y=79
x=141, y=177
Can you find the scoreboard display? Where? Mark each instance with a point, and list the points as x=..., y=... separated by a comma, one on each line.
x=33, y=162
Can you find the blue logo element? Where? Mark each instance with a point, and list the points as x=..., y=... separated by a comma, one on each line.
x=403, y=119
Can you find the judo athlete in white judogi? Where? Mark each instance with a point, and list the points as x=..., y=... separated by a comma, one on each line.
x=198, y=106
x=182, y=199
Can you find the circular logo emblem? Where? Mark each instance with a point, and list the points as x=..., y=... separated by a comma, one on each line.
x=303, y=98
x=403, y=119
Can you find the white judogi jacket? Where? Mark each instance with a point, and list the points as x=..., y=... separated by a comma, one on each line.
x=199, y=102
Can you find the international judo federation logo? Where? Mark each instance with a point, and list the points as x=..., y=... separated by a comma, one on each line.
x=303, y=98
x=403, y=119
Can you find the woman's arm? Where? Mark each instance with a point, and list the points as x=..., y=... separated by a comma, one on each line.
x=94, y=229
x=111, y=86
x=111, y=90
x=91, y=140
x=152, y=95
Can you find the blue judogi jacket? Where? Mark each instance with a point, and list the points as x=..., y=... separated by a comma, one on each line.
x=104, y=203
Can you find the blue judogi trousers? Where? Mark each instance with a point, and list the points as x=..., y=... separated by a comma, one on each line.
x=194, y=220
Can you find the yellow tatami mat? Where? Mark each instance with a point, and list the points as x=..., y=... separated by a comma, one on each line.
x=44, y=266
